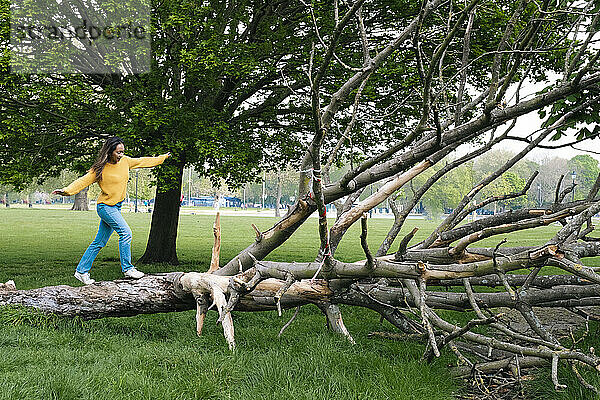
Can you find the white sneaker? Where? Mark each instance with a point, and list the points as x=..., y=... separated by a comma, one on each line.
x=133, y=273
x=84, y=278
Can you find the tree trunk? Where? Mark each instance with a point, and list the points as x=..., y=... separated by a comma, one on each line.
x=278, y=199
x=81, y=201
x=120, y=298
x=161, y=246
x=157, y=293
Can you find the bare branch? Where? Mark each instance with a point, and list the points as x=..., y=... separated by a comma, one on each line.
x=508, y=30
x=404, y=244
x=517, y=226
x=463, y=74
x=363, y=242
x=573, y=63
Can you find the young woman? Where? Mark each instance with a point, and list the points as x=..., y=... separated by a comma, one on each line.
x=111, y=171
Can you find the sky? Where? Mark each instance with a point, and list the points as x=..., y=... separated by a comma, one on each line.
x=531, y=122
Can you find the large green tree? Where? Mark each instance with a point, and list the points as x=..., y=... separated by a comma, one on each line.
x=212, y=98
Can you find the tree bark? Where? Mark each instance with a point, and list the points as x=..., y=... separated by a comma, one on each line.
x=81, y=201
x=165, y=217
x=120, y=298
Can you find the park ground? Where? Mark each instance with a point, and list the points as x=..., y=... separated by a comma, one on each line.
x=160, y=357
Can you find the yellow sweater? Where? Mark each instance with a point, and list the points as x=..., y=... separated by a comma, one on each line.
x=114, y=178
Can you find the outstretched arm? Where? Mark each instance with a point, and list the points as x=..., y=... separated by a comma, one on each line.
x=78, y=185
x=147, y=162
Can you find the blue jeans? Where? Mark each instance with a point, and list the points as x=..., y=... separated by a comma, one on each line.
x=110, y=219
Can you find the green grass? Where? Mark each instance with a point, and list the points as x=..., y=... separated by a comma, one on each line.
x=160, y=356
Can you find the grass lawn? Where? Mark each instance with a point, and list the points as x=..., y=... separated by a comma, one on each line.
x=160, y=356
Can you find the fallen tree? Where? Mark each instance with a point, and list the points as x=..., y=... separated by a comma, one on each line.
x=405, y=286
x=393, y=285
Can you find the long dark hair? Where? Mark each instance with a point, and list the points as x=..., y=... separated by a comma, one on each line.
x=104, y=155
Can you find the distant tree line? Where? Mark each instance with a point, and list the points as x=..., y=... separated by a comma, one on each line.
x=442, y=197
x=449, y=190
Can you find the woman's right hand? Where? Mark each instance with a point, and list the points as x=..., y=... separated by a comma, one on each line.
x=60, y=191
